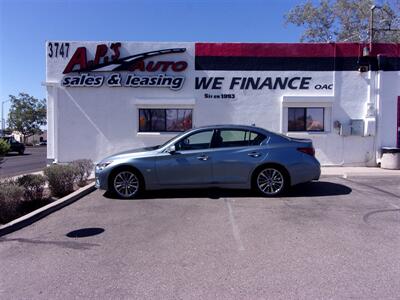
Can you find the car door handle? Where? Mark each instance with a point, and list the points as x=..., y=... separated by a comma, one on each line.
x=202, y=157
x=254, y=154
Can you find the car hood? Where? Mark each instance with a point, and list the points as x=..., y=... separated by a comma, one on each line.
x=133, y=153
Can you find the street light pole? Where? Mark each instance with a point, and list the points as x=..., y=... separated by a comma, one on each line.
x=371, y=26
x=2, y=116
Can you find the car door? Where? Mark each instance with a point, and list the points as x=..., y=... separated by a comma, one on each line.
x=236, y=154
x=189, y=164
x=14, y=145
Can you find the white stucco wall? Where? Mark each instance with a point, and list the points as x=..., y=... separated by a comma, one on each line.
x=89, y=122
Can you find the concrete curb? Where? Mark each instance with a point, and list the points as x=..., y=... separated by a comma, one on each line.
x=46, y=210
x=357, y=172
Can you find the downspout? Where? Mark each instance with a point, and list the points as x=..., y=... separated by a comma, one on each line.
x=340, y=164
x=377, y=113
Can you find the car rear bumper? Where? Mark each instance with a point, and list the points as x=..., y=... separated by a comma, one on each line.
x=308, y=170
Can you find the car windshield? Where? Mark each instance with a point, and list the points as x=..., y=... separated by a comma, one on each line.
x=170, y=140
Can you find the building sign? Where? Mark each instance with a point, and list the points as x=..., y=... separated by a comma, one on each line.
x=256, y=83
x=138, y=70
x=265, y=83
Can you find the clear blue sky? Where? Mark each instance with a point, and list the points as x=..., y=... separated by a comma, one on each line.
x=25, y=25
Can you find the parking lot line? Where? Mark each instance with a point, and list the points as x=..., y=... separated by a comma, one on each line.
x=235, y=228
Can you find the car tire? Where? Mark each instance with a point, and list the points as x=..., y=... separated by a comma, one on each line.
x=126, y=183
x=21, y=152
x=270, y=181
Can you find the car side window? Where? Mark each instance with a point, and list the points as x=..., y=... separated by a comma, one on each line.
x=237, y=138
x=255, y=138
x=196, y=141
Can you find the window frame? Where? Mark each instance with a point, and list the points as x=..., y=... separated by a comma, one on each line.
x=305, y=108
x=165, y=119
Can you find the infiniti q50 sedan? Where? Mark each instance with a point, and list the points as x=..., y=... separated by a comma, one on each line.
x=227, y=156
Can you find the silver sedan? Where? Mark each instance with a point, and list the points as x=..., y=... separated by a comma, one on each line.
x=226, y=156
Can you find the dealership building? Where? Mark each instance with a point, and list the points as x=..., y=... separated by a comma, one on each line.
x=106, y=97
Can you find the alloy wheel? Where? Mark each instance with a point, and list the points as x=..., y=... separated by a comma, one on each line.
x=126, y=184
x=270, y=181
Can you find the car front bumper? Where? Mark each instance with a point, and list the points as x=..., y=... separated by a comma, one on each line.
x=101, y=179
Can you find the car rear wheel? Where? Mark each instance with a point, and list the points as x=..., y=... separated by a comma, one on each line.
x=21, y=152
x=270, y=181
x=126, y=184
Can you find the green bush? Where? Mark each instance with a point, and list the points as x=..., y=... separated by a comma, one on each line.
x=4, y=148
x=61, y=179
x=10, y=201
x=83, y=169
x=33, y=186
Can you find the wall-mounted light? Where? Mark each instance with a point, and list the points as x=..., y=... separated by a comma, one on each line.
x=365, y=51
x=363, y=69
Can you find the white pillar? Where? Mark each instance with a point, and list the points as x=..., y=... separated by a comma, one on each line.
x=52, y=135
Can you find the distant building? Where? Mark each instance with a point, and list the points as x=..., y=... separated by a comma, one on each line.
x=37, y=138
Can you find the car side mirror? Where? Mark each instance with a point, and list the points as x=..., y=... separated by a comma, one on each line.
x=171, y=149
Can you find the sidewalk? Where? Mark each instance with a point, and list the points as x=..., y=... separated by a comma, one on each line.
x=357, y=171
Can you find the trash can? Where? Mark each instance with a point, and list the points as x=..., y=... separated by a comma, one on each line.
x=390, y=158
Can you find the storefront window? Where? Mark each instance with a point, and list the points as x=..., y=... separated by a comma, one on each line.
x=306, y=119
x=161, y=120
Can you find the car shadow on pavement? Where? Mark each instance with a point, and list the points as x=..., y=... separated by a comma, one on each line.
x=309, y=189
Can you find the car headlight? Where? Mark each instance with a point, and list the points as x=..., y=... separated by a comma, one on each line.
x=101, y=166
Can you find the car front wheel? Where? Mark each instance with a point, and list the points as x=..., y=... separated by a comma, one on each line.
x=126, y=184
x=270, y=181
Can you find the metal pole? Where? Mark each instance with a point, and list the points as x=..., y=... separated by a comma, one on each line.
x=371, y=28
x=2, y=116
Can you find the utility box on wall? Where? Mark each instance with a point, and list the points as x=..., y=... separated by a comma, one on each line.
x=345, y=130
x=370, y=127
x=357, y=127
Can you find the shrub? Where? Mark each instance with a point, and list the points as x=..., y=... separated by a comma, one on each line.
x=4, y=147
x=33, y=186
x=10, y=201
x=61, y=179
x=83, y=169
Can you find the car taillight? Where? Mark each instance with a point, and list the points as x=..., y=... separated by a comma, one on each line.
x=307, y=150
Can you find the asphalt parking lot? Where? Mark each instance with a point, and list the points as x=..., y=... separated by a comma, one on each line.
x=337, y=239
x=33, y=160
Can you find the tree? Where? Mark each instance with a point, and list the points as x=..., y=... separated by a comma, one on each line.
x=345, y=20
x=27, y=114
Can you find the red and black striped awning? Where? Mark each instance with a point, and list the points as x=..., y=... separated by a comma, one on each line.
x=296, y=56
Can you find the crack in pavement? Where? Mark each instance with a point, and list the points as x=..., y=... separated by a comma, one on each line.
x=66, y=244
